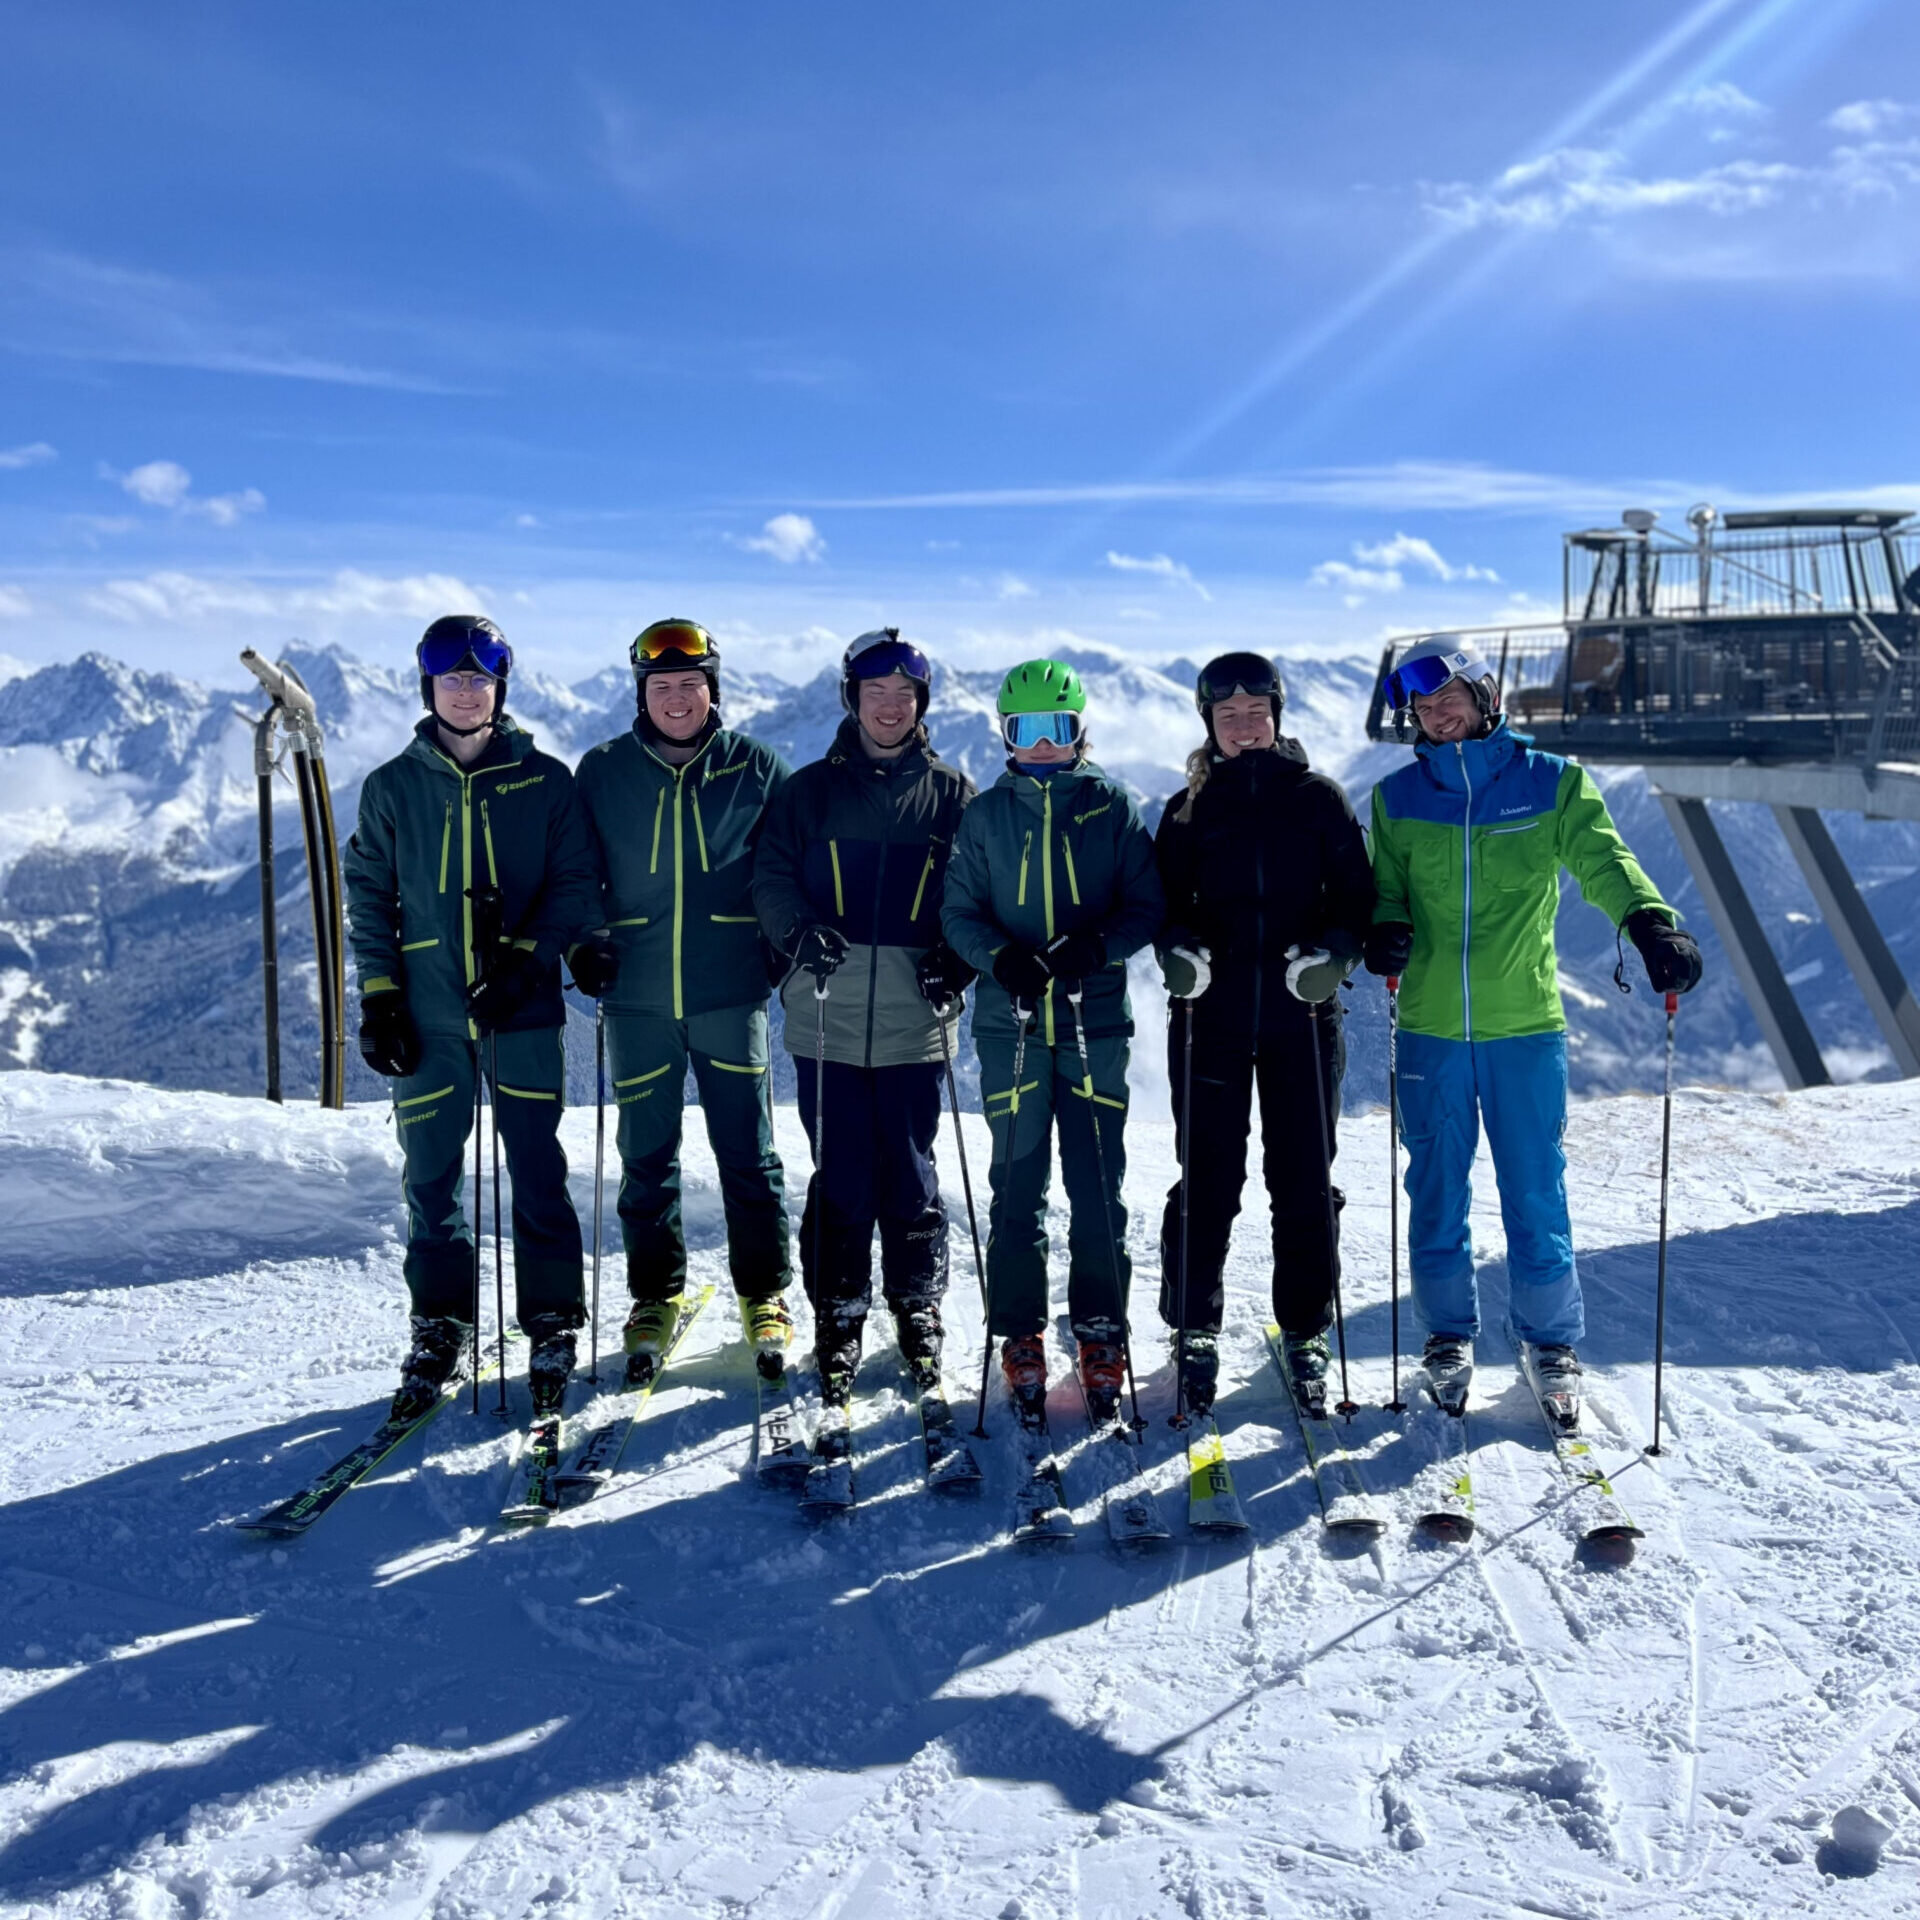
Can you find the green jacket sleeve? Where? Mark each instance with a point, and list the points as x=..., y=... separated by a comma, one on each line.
x=1142, y=904
x=1391, y=901
x=966, y=912
x=1591, y=849
x=373, y=892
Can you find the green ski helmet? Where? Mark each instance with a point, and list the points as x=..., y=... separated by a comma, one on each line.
x=1043, y=700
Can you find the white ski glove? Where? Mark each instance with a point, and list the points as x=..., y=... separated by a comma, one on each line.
x=1188, y=972
x=1313, y=973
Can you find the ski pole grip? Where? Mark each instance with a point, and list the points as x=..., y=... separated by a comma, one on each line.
x=1673, y=1003
x=1393, y=983
x=282, y=687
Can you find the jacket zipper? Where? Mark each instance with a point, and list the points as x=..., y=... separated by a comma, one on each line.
x=1046, y=883
x=1466, y=884
x=1259, y=914
x=446, y=841
x=1026, y=847
x=659, y=807
x=926, y=874
x=679, y=891
x=873, y=952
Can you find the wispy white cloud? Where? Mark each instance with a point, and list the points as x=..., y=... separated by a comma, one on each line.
x=1862, y=119
x=1594, y=182
x=34, y=455
x=1011, y=587
x=167, y=484
x=14, y=605
x=1356, y=582
x=1405, y=549
x=787, y=537
x=1718, y=100
x=185, y=597
x=1161, y=565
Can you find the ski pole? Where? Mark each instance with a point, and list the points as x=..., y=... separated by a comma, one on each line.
x=960, y=1142
x=499, y=1273
x=1396, y=1404
x=1347, y=1407
x=1022, y=1018
x=1660, y=1284
x=599, y=1171
x=1074, y=999
x=479, y=1215
x=1179, y=1418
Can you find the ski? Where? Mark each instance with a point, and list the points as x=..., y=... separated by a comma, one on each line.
x=1596, y=1509
x=780, y=1456
x=829, y=1484
x=1346, y=1507
x=289, y=1518
x=1041, y=1516
x=951, y=1467
x=539, y=1473
x=1212, y=1504
x=1442, y=1491
x=1133, y=1515
x=598, y=1456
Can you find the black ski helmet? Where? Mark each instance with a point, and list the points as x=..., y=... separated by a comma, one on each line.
x=1238, y=672
x=674, y=646
x=463, y=643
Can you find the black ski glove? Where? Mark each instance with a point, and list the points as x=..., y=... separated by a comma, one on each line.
x=1672, y=956
x=942, y=975
x=1389, y=948
x=389, y=1041
x=821, y=951
x=512, y=978
x=596, y=965
x=1021, y=971
x=1073, y=956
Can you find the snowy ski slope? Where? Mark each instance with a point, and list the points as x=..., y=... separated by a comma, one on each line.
x=680, y=1700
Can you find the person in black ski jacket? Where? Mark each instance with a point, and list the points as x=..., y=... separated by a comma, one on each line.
x=469, y=874
x=1269, y=897
x=849, y=882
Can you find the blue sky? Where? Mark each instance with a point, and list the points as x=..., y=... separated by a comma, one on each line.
x=1174, y=327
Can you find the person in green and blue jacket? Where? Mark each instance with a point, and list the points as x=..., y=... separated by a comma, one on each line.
x=468, y=875
x=1052, y=888
x=676, y=806
x=1467, y=845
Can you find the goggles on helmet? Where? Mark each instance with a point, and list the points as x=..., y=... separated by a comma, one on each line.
x=681, y=637
x=1238, y=673
x=875, y=655
x=449, y=652
x=1427, y=675
x=1030, y=729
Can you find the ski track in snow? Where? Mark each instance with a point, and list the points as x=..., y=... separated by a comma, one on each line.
x=683, y=1700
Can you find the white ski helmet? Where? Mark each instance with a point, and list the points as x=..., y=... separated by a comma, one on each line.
x=1427, y=666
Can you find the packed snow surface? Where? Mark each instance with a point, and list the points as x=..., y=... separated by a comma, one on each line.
x=683, y=1700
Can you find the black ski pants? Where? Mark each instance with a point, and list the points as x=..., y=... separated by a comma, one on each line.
x=1230, y=1064
x=881, y=1123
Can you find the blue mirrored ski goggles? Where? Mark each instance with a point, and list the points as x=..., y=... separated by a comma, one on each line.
x=1029, y=729
x=884, y=656
x=1424, y=676
x=449, y=652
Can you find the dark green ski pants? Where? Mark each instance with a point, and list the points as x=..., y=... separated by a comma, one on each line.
x=1052, y=1097
x=647, y=1059
x=433, y=1111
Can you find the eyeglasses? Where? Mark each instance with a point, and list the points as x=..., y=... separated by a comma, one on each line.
x=673, y=636
x=442, y=654
x=1030, y=729
x=1427, y=675
x=464, y=682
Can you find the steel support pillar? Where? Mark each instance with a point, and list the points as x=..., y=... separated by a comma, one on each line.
x=1889, y=999
x=1781, y=1021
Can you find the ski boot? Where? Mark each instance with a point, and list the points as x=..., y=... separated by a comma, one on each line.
x=1197, y=1366
x=550, y=1358
x=1449, y=1364
x=439, y=1342
x=1103, y=1371
x=1023, y=1359
x=836, y=1352
x=1555, y=1373
x=649, y=1327
x=769, y=1326
x=916, y=1325
x=1308, y=1360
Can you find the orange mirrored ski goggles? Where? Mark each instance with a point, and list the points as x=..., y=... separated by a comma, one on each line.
x=673, y=636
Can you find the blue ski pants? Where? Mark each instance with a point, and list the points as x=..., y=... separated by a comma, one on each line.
x=1518, y=1089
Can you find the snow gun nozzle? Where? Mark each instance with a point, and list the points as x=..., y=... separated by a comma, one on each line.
x=283, y=686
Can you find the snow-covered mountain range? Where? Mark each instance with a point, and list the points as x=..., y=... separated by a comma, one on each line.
x=129, y=937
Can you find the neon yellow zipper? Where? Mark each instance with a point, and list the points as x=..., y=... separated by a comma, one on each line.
x=659, y=807
x=920, y=892
x=1073, y=879
x=699, y=832
x=1026, y=847
x=1046, y=882
x=679, y=893
x=839, y=898
x=446, y=841
x=486, y=833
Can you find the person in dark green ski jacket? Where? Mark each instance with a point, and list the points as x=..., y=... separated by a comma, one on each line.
x=849, y=882
x=1053, y=887
x=676, y=806
x=468, y=875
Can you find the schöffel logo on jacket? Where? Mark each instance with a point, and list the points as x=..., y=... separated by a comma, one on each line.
x=1505, y=811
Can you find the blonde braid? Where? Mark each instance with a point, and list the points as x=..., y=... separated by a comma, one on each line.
x=1199, y=768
